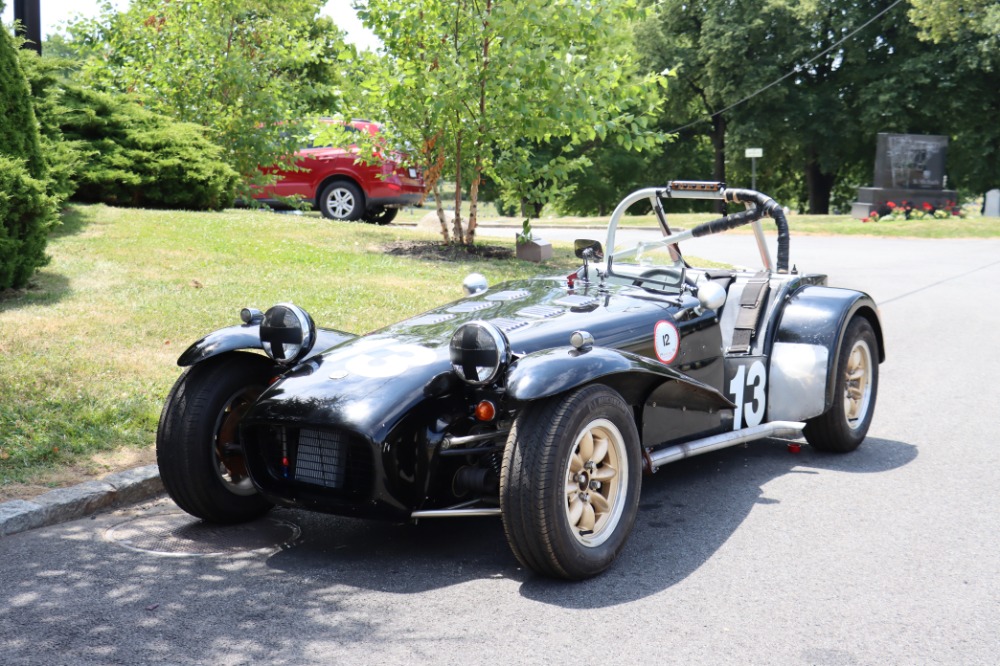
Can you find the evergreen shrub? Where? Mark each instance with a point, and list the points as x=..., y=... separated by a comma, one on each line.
x=26, y=209
x=131, y=156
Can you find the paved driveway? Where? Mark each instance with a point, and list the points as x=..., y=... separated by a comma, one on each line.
x=745, y=556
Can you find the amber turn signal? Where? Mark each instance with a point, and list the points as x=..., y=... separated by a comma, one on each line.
x=485, y=411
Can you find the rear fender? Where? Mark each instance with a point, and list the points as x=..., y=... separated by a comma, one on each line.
x=806, y=349
x=553, y=371
x=247, y=336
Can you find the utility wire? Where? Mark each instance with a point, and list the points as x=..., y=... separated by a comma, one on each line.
x=795, y=70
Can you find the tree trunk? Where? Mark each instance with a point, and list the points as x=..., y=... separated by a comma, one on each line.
x=819, y=184
x=718, y=137
x=470, y=234
x=477, y=147
x=459, y=235
x=440, y=212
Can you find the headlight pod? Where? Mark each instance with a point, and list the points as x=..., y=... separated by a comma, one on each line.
x=287, y=333
x=478, y=351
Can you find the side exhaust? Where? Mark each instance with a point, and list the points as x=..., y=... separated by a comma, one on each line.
x=654, y=459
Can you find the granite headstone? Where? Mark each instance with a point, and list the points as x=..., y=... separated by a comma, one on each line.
x=908, y=168
x=910, y=161
x=992, y=204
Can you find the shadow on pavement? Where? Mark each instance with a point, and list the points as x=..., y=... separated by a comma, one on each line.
x=687, y=511
x=70, y=591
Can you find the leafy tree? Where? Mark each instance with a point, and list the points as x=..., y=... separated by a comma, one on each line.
x=719, y=50
x=27, y=210
x=107, y=148
x=967, y=34
x=835, y=87
x=965, y=21
x=247, y=71
x=480, y=85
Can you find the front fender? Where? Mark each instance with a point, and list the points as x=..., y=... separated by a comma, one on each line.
x=247, y=336
x=554, y=371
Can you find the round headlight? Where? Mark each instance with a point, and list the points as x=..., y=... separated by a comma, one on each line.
x=478, y=351
x=287, y=333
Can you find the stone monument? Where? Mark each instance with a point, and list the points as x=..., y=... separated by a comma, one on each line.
x=991, y=207
x=908, y=167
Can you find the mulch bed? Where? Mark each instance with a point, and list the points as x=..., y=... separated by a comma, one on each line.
x=437, y=251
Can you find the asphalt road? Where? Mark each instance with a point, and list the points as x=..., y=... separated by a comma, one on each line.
x=752, y=555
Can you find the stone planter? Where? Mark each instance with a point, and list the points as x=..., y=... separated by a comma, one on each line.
x=536, y=250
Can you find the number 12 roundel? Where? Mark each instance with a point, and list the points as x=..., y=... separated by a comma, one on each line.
x=666, y=341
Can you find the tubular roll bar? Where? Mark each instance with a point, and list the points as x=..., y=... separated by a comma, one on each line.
x=757, y=206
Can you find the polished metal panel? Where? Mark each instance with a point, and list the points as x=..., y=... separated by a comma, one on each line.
x=797, y=386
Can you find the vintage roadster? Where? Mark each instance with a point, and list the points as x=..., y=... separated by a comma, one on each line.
x=540, y=401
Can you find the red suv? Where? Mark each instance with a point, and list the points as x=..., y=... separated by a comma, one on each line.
x=343, y=188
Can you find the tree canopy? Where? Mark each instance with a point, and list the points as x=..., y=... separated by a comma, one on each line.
x=247, y=71
x=481, y=85
x=814, y=82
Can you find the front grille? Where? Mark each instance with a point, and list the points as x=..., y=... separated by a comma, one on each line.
x=338, y=461
x=322, y=458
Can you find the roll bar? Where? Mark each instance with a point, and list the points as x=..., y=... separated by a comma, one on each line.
x=757, y=205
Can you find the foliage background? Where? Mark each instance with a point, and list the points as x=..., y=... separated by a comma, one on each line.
x=27, y=210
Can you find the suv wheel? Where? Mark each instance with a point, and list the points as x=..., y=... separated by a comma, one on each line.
x=380, y=215
x=341, y=200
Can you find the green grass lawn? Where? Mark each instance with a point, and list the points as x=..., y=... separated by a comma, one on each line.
x=89, y=351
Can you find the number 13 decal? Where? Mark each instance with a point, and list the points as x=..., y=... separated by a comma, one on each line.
x=748, y=390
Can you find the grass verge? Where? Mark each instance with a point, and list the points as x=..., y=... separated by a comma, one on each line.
x=89, y=351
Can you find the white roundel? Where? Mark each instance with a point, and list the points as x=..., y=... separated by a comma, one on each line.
x=666, y=341
x=387, y=358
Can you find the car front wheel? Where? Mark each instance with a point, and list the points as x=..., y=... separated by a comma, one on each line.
x=843, y=427
x=569, y=485
x=342, y=200
x=197, y=443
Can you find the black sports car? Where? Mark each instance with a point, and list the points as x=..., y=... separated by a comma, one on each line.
x=540, y=401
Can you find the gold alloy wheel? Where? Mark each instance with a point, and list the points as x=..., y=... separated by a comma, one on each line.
x=596, y=482
x=858, y=384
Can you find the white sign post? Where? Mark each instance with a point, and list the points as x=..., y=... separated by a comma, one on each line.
x=753, y=154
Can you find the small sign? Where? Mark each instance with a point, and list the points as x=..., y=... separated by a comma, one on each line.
x=666, y=341
x=755, y=152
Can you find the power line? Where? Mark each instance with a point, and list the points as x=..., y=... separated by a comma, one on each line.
x=795, y=70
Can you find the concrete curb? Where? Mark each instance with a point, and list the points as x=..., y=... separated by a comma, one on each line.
x=65, y=504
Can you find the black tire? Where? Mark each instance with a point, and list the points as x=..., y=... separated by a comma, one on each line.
x=380, y=215
x=197, y=446
x=553, y=521
x=341, y=200
x=843, y=427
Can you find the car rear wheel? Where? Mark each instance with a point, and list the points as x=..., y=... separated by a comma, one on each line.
x=380, y=215
x=197, y=443
x=342, y=200
x=843, y=427
x=569, y=485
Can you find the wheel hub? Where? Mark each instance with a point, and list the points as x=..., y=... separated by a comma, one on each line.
x=595, y=482
x=858, y=384
x=230, y=464
x=341, y=203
